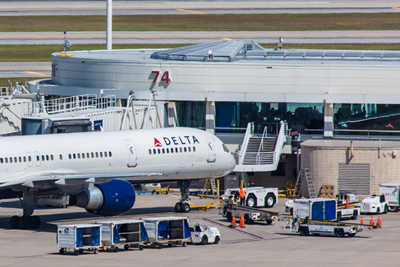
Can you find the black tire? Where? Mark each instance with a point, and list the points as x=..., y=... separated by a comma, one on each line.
x=185, y=207
x=251, y=201
x=35, y=222
x=304, y=231
x=385, y=211
x=62, y=250
x=270, y=200
x=116, y=249
x=268, y=221
x=96, y=251
x=247, y=219
x=140, y=247
x=229, y=216
x=338, y=216
x=184, y=244
x=76, y=252
x=24, y=222
x=126, y=246
x=159, y=246
x=178, y=207
x=339, y=232
x=204, y=240
x=355, y=215
x=14, y=222
x=216, y=241
x=80, y=251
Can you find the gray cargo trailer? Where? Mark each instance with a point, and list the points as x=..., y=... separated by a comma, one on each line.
x=79, y=237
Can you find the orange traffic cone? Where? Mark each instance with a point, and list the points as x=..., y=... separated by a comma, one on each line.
x=347, y=203
x=371, y=221
x=241, y=223
x=233, y=224
x=362, y=220
x=379, y=222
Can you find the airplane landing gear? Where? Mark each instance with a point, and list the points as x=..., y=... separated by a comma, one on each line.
x=27, y=221
x=182, y=206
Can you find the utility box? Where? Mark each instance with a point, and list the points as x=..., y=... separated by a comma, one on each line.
x=79, y=237
x=391, y=191
x=126, y=233
x=168, y=230
x=320, y=209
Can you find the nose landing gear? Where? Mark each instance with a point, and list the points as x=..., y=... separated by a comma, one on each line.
x=182, y=206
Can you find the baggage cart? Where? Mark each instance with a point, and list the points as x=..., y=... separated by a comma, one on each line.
x=168, y=230
x=320, y=209
x=123, y=233
x=79, y=238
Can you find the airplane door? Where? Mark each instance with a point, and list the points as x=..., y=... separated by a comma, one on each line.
x=29, y=159
x=37, y=158
x=132, y=153
x=211, y=150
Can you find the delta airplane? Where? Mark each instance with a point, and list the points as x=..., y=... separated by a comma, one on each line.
x=97, y=169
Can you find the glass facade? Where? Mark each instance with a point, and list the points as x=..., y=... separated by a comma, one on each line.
x=366, y=119
x=301, y=117
x=191, y=114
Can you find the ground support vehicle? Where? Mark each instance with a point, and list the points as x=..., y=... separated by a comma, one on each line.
x=391, y=191
x=206, y=206
x=123, y=233
x=320, y=209
x=339, y=229
x=167, y=230
x=255, y=196
x=250, y=214
x=374, y=204
x=79, y=237
x=203, y=234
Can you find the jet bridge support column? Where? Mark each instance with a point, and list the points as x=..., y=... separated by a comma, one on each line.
x=328, y=120
x=210, y=117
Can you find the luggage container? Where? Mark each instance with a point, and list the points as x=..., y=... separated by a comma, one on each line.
x=126, y=233
x=391, y=191
x=168, y=230
x=320, y=209
x=79, y=237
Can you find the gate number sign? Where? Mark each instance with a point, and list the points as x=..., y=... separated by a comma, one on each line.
x=164, y=78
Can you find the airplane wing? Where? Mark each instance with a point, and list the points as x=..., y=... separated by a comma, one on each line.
x=73, y=178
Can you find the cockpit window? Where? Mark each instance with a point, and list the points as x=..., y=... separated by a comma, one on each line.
x=225, y=148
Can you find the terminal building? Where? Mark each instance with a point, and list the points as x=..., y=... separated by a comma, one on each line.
x=340, y=104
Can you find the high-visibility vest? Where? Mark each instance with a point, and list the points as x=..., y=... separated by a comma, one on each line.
x=242, y=193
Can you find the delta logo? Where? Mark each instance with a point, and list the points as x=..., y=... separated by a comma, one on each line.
x=179, y=140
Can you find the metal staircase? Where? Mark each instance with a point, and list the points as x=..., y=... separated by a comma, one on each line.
x=310, y=185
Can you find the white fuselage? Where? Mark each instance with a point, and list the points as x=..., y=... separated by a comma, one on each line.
x=176, y=153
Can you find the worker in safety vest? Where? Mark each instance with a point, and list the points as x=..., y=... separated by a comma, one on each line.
x=242, y=194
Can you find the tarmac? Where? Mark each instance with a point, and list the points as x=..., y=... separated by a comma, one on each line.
x=257, y=244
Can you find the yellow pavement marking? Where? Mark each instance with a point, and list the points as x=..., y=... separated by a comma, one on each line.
x=191, y=11
x=227, y=39
x=396, y=7
x=36, y=73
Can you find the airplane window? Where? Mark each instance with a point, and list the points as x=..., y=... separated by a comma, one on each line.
x=149, y=151
x=87, y=155
x=97, y=154
x=109, y=153
x=69, y=155
x=29, y=158
x=101, y=154
x=1, y=160
x=225, y=148
x=163, y=151
x=37, y=158
x=167, y=150
x=47, y=157
x=83, y=155
x=60, y=157
x=24, y=159
x=92, y=155
x=159, y=151
x=6, y=160
x=194, y=149
x=51, y=157
x=10, y=160
x=20, y=159
x=172, y=150
x=42, y=157
x=176, y=150
x=180, y=149
x=184, y=149
x=105, y=154
x=15, y=159
x=189, y=149
x=79, y=155
x=74, y=155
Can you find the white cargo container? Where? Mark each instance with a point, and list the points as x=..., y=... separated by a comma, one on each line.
x=391, y=191
x=79, y=237
x=168, y=230
x=321, y=209
x=126, y=233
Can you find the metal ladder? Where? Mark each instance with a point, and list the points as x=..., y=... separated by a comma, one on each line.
x=210, y=186
x=310, y=185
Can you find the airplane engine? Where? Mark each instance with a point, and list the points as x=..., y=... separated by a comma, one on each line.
x=107, y=199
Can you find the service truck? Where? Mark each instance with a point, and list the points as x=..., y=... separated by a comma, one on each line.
x=374, y=204
x=255, y=196
x=203, y=234
x=318, y=216
x=391, y=191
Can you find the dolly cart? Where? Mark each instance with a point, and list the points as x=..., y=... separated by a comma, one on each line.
x=126, y=233
x=79, y=237
x=168, y=230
